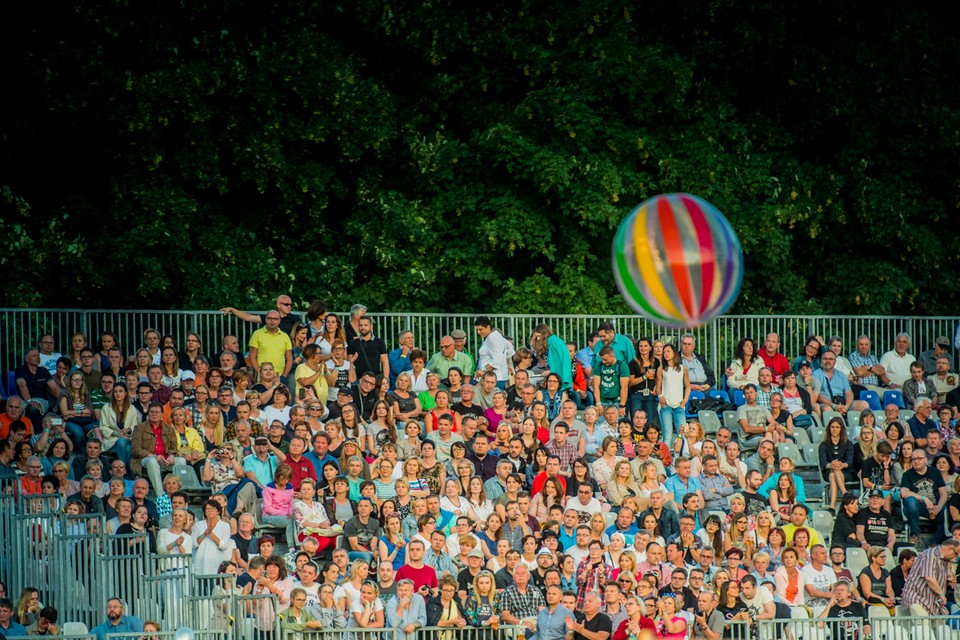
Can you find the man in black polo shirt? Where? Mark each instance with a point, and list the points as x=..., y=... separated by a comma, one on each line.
x=368, y=352
x=596, y=623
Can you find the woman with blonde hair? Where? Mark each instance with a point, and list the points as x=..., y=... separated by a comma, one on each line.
x=211, y=429
x=622, y=484
x=482, y=608
x=406, y=404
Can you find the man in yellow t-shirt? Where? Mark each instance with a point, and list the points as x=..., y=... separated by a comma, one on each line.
x=269, y=344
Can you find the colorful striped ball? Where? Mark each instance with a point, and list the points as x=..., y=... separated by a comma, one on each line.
x=677, y=261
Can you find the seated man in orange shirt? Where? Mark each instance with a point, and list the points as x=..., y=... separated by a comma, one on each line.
x=14, y=412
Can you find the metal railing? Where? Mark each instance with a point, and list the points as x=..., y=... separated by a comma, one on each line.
x=915, y=627
x=21, y=328
x=811, y=629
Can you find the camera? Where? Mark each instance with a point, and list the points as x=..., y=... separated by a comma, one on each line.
x=219, y=451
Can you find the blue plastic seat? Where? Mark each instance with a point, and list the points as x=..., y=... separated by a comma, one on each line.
x=719, y=393
x=893, y=397
x=872, y=399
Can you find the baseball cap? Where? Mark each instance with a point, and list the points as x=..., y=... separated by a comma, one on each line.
x=475, y=553
x=544, y=552
x=458, y=334
x=875, y=493
x=944, y=342
x=187, y=375
x=344, y=391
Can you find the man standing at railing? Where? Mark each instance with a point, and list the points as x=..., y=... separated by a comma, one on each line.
x=284, y=306
x=407, y=611
x=495, y=352
x=925, y=591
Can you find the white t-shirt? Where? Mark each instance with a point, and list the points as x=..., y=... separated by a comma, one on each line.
x=271, y=413
x=759, y=601
x=821, y=580
x=356, y=607
x=313, y=596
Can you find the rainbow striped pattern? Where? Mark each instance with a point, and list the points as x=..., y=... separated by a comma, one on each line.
x=677, y=261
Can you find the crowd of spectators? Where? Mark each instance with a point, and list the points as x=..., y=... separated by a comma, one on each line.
x=567, y=488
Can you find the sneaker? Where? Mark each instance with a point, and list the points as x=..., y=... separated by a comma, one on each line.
x=914, y=540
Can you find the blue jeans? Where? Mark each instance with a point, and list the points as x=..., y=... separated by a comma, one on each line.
x=582, y=403
x=912, y=510
x=123, y=448
x=647, y=403
x=77, y=436
x=670, y=420
x=360, y=555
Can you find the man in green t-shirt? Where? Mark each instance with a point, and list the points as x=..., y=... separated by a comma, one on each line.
x=610, y=380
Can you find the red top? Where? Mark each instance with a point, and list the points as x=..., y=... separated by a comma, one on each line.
x=621, y=632
x=540, y=478
x=425, y=575
x=159, y=449
x=777, y=363
x=302, y=469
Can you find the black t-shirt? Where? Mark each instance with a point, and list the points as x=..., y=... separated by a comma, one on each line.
x=873, y=471
x=245, y=547
x=755, y=503
x=36, y=382
x=954, y=501
x=729, y=613
x=926, y=485
x=897, y=581
x=878, y=585
x=845, y=526
x=847, y=630
x=875, y=526
x=953, y=398
x=368, y=355
x=473, y=410
x=465, y=580
x=600, y=622
x=364, y=533
x=636, y=371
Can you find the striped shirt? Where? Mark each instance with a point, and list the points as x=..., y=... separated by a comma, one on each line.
x=931, y=564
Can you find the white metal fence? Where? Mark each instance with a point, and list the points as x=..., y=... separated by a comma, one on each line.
x=22, y=328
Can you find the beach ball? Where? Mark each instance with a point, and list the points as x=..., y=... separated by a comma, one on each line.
x=677, y=261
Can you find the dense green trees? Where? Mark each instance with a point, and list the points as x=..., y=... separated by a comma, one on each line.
x=455, y=156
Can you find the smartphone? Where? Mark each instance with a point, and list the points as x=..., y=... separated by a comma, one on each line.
x=56, y=422
x=302, y=394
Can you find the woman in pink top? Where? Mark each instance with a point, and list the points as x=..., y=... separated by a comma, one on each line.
x=669, y=625
x=278, y=500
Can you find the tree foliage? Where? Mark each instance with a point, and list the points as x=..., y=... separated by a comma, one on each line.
x=473, y=156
